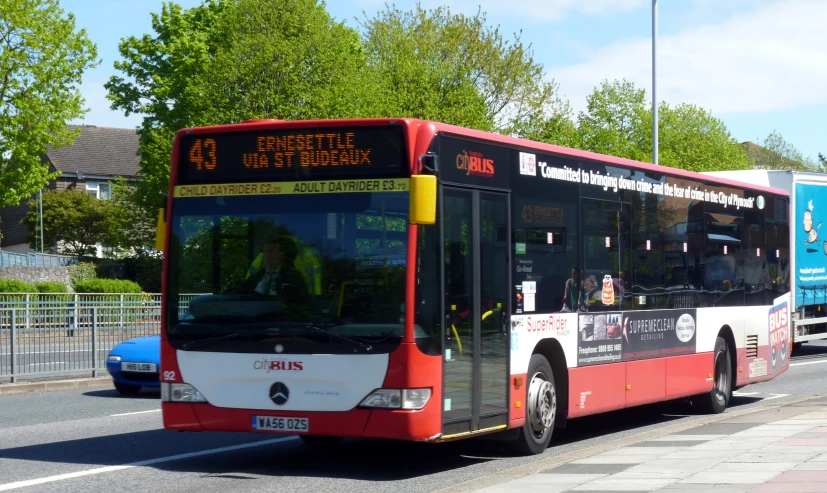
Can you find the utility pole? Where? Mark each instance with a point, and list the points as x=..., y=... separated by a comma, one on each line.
x=654, y=82
x=40, y=208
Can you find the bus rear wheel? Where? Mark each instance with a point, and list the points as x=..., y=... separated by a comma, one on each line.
x=717, y=400
x=541, y=408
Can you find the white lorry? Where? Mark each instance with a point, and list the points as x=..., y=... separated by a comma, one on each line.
x=808, y=251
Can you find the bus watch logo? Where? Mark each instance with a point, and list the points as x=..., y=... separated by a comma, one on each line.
x=779, y=321
x=474, y=163
x=279, y=393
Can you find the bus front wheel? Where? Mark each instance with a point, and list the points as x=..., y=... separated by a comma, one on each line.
x=541, y=408
x=717, y=400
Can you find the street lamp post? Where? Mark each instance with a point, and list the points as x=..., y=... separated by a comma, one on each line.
x=40, y=206
x=654, y=82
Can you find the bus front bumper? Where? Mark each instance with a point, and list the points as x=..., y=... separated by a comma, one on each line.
x=418, y=425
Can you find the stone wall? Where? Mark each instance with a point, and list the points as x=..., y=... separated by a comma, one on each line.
x=38, y=274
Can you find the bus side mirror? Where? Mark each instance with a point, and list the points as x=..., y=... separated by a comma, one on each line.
x=423, y=199
x=161, y=227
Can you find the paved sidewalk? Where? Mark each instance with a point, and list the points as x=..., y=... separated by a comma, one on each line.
x=778, y=450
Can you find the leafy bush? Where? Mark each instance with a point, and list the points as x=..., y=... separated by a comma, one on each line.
x=107, y=286
x=16, y=286
x=83, y=271
x=51, y=287
x=144, y=270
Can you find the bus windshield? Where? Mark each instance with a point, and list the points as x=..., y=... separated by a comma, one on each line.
x=320, y=273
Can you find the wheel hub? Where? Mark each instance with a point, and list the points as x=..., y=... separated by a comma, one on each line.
x=542, y=404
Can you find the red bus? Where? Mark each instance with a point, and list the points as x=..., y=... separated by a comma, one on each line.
x=411, y=280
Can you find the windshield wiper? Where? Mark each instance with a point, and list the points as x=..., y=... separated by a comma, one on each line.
x=273, y=328
x=203, y=342
x=306, y=327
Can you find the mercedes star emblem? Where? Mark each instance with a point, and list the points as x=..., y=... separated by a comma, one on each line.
x=279, y=393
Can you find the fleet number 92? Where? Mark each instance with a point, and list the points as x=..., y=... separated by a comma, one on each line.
x=390, y=185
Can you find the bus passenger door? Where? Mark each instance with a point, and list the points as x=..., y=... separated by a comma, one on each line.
x=474, y=253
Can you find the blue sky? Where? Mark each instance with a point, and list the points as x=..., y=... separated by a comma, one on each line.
x=759, y=65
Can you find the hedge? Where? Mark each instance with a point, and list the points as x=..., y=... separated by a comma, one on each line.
x=16, y=286
x=83, y=271
x=107, y=286
x=51, y=287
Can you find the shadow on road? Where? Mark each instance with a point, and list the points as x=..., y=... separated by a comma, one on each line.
x=354, y=459
x=149, y=393
x=809, y=350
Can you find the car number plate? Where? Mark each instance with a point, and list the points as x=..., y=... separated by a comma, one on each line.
x=139, y=367
x=277, y=423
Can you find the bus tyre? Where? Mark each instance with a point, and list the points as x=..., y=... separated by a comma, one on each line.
x=540, y=408
x=718, y=398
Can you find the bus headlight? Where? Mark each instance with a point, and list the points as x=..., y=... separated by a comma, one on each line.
x=397, y=398
x=180, y=392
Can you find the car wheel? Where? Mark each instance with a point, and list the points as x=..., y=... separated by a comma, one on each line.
x=541, y=408
x=124, y=388
x=717, y=400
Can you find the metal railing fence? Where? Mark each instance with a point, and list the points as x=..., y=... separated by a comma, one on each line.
x=12, y=259
x=43, y=335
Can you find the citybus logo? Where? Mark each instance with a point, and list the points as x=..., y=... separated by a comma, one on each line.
x=269, y=365
x=474, y=163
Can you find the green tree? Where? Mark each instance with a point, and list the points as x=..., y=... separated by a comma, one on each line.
x=690, y=138
x=436, y=65
x=42, y=58
x=162, y=78
x=131, y=227
x=617, y=122
x=74, y=222
x=614, y=121
x=232, y=60
x=285, y=59
x=774, y=152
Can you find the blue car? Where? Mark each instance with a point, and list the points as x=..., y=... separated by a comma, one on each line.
x=135, y=363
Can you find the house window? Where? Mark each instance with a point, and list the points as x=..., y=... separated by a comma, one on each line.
x=101, y=191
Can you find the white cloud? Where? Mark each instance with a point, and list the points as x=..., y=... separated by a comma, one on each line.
x=530, y=10
x=771, y=58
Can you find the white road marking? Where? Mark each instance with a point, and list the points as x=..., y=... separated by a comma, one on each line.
x=136, y=412
x=758, y=394
x=821, y=361
x=101, y=470
x=775, y=396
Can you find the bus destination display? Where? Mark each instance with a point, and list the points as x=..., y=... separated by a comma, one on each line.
x=290, y=154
